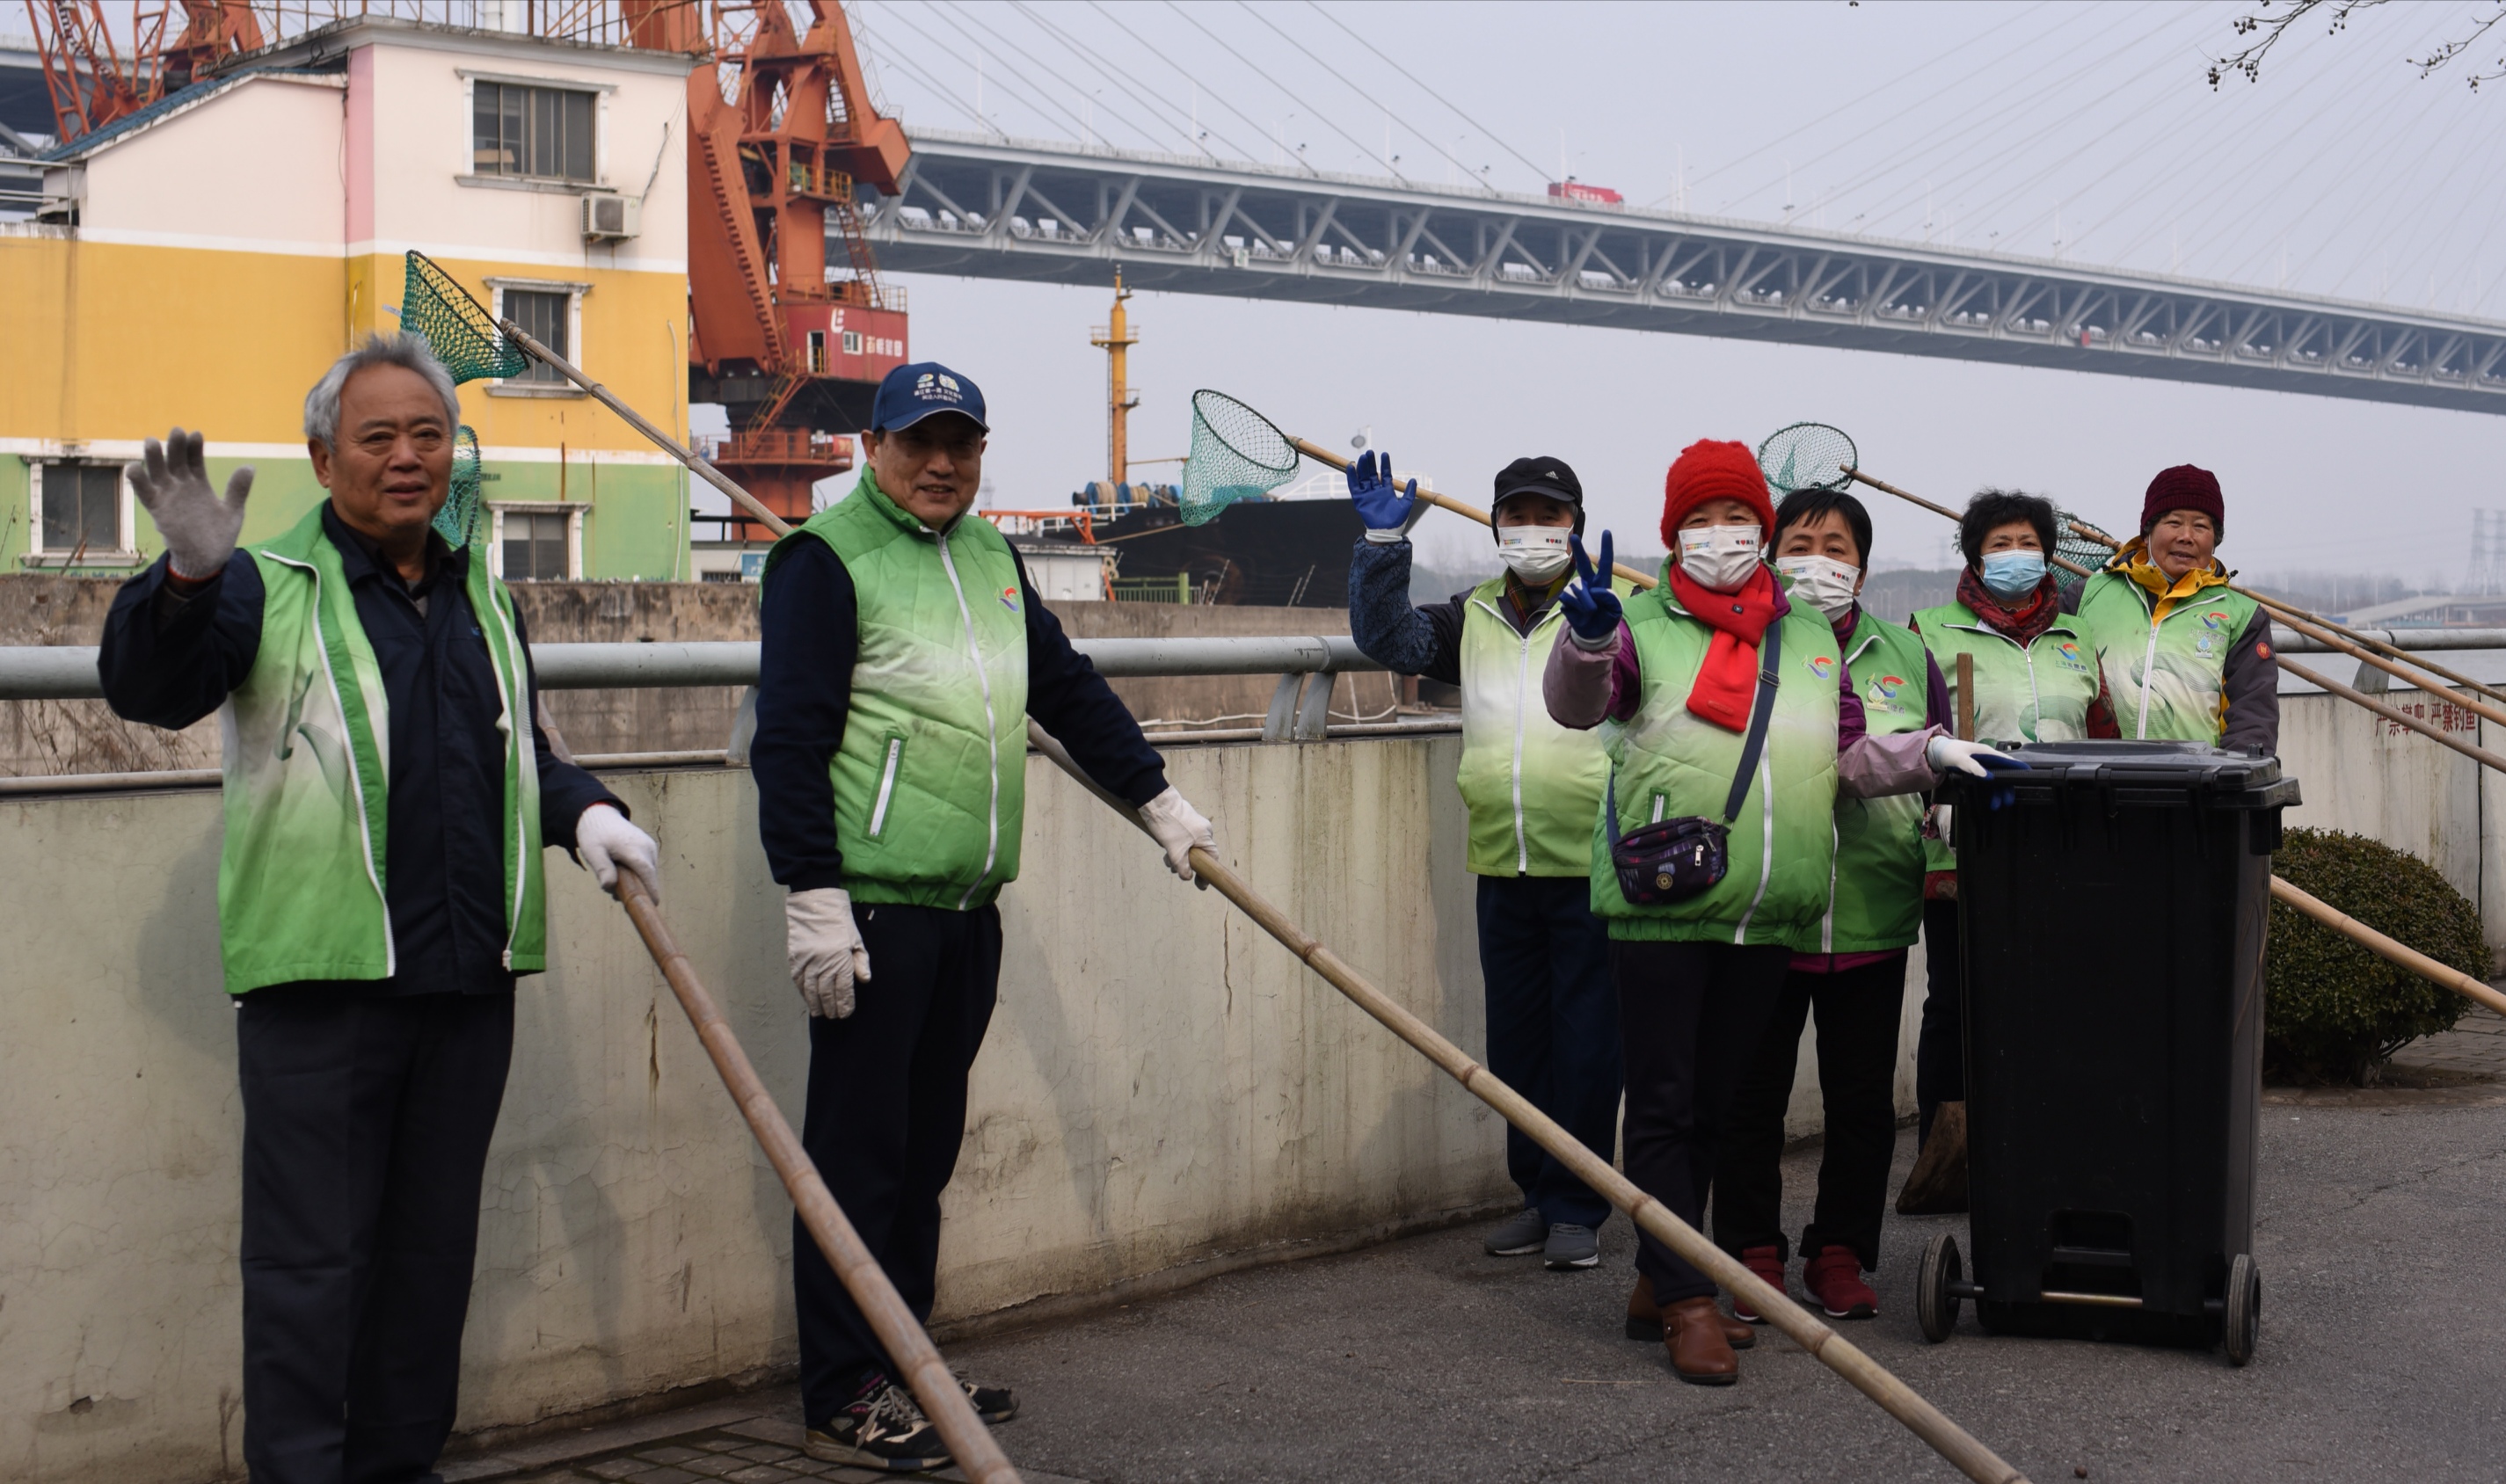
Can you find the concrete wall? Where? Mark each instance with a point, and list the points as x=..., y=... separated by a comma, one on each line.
x=1164, y=1092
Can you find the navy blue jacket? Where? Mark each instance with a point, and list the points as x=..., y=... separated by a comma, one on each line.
x=169, y=659
x=811, y=623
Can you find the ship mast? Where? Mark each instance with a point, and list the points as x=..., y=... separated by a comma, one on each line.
x=1117, y=339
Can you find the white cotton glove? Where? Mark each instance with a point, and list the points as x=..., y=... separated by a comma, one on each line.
x=173, y=480
x=1978, y=759
x=828, y=959
x=608, y=845
x=1178, y=828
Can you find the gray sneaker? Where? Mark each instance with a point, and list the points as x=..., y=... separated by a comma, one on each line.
x=1520, y=1237
x=1570, y=1246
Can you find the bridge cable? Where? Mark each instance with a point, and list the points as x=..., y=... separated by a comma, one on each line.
x=961, y=17
x=1151, y=97
x=1539, y=170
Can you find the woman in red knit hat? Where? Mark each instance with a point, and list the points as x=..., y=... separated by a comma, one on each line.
x=1731, y=726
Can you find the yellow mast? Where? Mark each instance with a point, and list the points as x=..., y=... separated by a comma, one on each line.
x=1116, y=337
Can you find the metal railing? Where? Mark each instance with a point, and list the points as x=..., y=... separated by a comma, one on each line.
x=1300, y=708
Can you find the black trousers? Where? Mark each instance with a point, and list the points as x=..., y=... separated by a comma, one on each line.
x=365, y=1138
x=1553, y=1029
x=1689, y=1017
x=1857, y=1013
x=886, y=1117
x=1940, y=1057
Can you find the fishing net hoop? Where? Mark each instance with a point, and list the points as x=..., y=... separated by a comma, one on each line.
x=458, y=521
x=461, y=333
x=2073, y=543
x=1237, y=453
x=1808, y=456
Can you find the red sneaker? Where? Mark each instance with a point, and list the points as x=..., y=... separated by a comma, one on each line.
x=1834, y=1279
x=1763, y=1261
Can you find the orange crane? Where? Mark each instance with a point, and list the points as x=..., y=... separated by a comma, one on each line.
x=88, y=83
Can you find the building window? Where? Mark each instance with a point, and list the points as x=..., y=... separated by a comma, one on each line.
x=547, y=315
x=536, y=547
x=532, y=131
x=79, y=511
x=852, y=342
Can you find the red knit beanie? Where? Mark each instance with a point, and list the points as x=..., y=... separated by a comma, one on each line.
x=1713, y=470
x=2184, y=487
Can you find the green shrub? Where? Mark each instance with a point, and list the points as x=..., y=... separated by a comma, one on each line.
x=2334, y=1010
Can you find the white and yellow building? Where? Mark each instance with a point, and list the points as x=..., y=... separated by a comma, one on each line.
x=200, y=263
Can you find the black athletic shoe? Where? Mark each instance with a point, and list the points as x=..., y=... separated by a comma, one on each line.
x=994, y=1404
x=882, y=1429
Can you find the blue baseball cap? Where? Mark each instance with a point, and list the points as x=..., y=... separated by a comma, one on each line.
x=912, y=393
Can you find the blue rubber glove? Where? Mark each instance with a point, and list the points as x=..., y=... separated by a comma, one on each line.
x=1592, y=610
x=1388, y=509
x=1977, y=759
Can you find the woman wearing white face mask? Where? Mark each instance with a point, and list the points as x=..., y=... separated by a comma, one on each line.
x=1532, y=788
x=1855, y=975
x=2035, y=681
x=1731, y=727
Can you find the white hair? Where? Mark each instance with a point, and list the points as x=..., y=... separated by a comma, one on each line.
x=407, y=350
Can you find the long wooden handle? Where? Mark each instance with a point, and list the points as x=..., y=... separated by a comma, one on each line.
x=1322, y=455
x=2298, y=620
x=969, y=1441
x=701, y=469
x=1894, y=1396
x=2480, y=755
x=2401, y=953
x=2428, y=681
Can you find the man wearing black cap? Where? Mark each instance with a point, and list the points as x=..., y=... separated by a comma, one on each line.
x=1533, y=790
x=904, y=652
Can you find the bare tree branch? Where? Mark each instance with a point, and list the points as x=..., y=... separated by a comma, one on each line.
x=2268, y=23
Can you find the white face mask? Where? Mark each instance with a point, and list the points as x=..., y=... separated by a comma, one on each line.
x=1822, y=581
x=1535, y=554
x=1720, y=557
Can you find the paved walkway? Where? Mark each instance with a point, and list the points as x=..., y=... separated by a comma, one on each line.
x=1423, y=1359
x=2476, y=1047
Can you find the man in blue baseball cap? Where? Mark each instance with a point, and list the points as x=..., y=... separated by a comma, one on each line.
x=904, y=652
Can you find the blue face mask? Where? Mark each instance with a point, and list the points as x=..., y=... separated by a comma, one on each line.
x=2013, y=575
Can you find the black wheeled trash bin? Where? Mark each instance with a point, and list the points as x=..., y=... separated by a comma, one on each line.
x=2112, y=926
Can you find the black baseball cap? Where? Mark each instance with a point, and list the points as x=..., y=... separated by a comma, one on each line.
x=1541, y=476
x=911, y=393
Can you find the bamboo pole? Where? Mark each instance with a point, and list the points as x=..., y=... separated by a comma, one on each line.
x=1322, y=455
x=701, y=467
x=2417, y=681
x=2401, y=953
x=2401, y=718
x=1894, y=1396
x=969, y=1441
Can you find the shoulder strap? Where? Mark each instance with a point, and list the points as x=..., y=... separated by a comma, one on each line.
x=1770, y=656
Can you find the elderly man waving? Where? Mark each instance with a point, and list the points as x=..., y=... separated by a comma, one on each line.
x=387, y=798
x=904, y=652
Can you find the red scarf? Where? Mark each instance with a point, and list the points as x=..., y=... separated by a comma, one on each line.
x=1727, y=684
x=2026, y=623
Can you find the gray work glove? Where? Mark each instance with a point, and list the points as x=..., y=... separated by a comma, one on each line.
x=828, y=959
x=199, y=529
x=1178, y=826
x=609, y=844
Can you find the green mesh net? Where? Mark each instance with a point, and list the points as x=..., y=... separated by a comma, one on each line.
x=457, y=329
x=1808, y=456
x=2081, y=544
x=458, y=521
x=1236, y=454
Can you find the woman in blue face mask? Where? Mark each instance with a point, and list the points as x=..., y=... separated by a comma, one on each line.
x=2034, y=679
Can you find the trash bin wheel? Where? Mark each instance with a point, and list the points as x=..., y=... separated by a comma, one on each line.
x=2244, y=1309
x=1936, y=1308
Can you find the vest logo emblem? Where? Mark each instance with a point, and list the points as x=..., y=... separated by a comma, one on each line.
x=1010, y=597
x=2202, y=646
x=1823, y=666
x=2067, y=655
x=2214, y=620
x=1886, y=686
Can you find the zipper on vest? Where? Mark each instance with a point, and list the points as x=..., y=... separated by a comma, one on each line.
x=991, y=723
x=1521, y=683
x=520, y=752
x=1827, y=924
x=1767, y=849
x=886, y=783
x=2148, y=658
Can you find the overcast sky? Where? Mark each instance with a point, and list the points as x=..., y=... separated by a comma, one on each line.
x=2087, y=130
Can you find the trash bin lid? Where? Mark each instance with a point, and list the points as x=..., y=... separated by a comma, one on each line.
x=2160, y=773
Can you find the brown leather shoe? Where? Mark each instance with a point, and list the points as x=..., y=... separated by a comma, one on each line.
x=1644, y=1319
x=1700, y=1355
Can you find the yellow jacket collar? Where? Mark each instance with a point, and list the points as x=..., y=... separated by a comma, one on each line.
x=2134, y=562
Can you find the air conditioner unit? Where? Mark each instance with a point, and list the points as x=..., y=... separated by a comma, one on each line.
x=609, y=218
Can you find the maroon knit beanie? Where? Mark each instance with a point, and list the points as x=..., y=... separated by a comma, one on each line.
x=1712, y=470
x=2184, y=487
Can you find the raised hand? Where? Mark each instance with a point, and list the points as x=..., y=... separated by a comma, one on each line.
x=1388, y=509
x=1592, y=610
x=173, y=480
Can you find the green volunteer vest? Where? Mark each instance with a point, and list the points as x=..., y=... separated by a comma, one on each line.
x=2036, y=692
x=1876, y=896
x=931, y=779
x=2166, y=677
x=1532, y=787
x=1670, y=763
x=301, y=888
